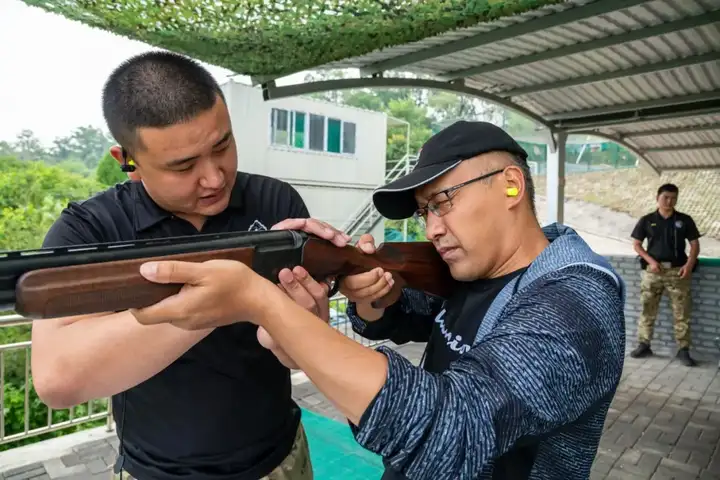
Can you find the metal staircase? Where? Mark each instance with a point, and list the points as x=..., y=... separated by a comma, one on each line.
x=367, y=217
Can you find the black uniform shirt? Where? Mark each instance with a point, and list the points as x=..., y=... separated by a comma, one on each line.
x=666, y=236
x=224, y=409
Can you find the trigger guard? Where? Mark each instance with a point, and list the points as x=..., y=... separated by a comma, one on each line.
x=334, y=288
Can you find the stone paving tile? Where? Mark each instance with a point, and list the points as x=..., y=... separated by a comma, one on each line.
x=664, y=424
x=33, y=471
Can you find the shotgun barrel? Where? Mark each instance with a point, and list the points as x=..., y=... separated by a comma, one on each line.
x=95, y=278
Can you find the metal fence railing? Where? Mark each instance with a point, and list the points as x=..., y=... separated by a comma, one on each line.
x=23, y=416
x=20, y=409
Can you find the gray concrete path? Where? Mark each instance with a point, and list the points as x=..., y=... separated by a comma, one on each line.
x=664, y=424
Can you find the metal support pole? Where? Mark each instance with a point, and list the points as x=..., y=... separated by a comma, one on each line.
x=556, y=180
x=407, y=170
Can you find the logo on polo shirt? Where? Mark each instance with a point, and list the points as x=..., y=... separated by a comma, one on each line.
x=257, y=226
x=678, y=224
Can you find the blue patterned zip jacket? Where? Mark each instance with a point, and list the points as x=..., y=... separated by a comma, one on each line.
x=542, y=371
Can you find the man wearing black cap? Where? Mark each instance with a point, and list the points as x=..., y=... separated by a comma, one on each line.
x=522, y=360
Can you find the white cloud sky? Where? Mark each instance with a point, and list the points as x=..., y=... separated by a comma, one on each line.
x=52, y=71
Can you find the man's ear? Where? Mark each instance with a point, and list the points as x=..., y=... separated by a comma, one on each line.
x=514, y=186
x=116, y=152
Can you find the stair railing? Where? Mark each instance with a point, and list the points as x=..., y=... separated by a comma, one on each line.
x=367, y=210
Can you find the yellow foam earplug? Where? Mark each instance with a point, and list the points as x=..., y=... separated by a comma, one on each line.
x=131, y=162
x=512, y=192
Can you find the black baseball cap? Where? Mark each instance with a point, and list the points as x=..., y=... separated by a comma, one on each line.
x=444, y=151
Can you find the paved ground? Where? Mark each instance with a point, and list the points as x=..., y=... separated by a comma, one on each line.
x=664, y=424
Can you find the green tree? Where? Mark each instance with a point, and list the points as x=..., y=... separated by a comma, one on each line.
x=6, y=149
x=89, y=144
x=28, y=147
x=32, y=195
x=108, y=171
x=86, y=144
x=75, y=166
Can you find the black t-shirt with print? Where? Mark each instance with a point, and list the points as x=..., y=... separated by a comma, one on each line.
x=453, y=334
x=223, y=410
x=455, y=330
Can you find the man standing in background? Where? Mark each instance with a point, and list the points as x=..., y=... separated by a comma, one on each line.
x=666, y=268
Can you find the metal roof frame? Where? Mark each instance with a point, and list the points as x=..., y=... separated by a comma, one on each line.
x=595, y=67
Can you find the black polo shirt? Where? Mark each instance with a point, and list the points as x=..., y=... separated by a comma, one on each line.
x=224, y=409
x=666, y=236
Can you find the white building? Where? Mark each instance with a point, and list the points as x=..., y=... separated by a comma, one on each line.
x=333, y=155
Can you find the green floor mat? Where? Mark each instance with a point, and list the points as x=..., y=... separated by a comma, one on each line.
x=334, y=452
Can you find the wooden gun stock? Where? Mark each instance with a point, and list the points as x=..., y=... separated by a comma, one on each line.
x=117, y=285
x=103, y=287
x=416, y=265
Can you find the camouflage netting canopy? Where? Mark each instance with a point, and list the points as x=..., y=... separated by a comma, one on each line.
x=281, y=37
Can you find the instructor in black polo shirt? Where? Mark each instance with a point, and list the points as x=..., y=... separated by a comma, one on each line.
x=666, y=268
x=203, y=405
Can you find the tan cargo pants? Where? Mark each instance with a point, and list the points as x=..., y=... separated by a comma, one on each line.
x=652, y=287
x=296, y=466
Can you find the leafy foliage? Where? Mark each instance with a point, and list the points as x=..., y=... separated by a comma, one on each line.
x=32, y=195
x=34, y=183
x=257, y=37
x=78, y=152
x=14, y=405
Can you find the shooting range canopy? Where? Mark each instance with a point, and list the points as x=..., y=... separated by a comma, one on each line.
x=642, y=73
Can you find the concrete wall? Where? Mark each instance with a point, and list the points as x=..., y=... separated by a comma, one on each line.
x=705, y=321
x=334, y=185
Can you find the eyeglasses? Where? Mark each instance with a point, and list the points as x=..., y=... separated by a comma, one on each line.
x=442, y=206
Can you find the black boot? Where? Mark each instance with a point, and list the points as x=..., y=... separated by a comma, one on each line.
x=642, y=350
x=684, y=356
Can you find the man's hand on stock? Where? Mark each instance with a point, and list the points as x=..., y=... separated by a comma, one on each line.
x=221, y=292
x=368, y=287
x=215, y=293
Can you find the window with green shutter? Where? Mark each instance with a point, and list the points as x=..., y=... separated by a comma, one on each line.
x=334, y=135
x=303, y=130
x=299, y=138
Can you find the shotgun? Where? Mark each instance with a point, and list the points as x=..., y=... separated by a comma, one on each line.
x=105, y=277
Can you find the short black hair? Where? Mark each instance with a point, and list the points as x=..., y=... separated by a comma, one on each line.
x=524, y=166
x=155, y=89
x=668, y=187
x=529, y=182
